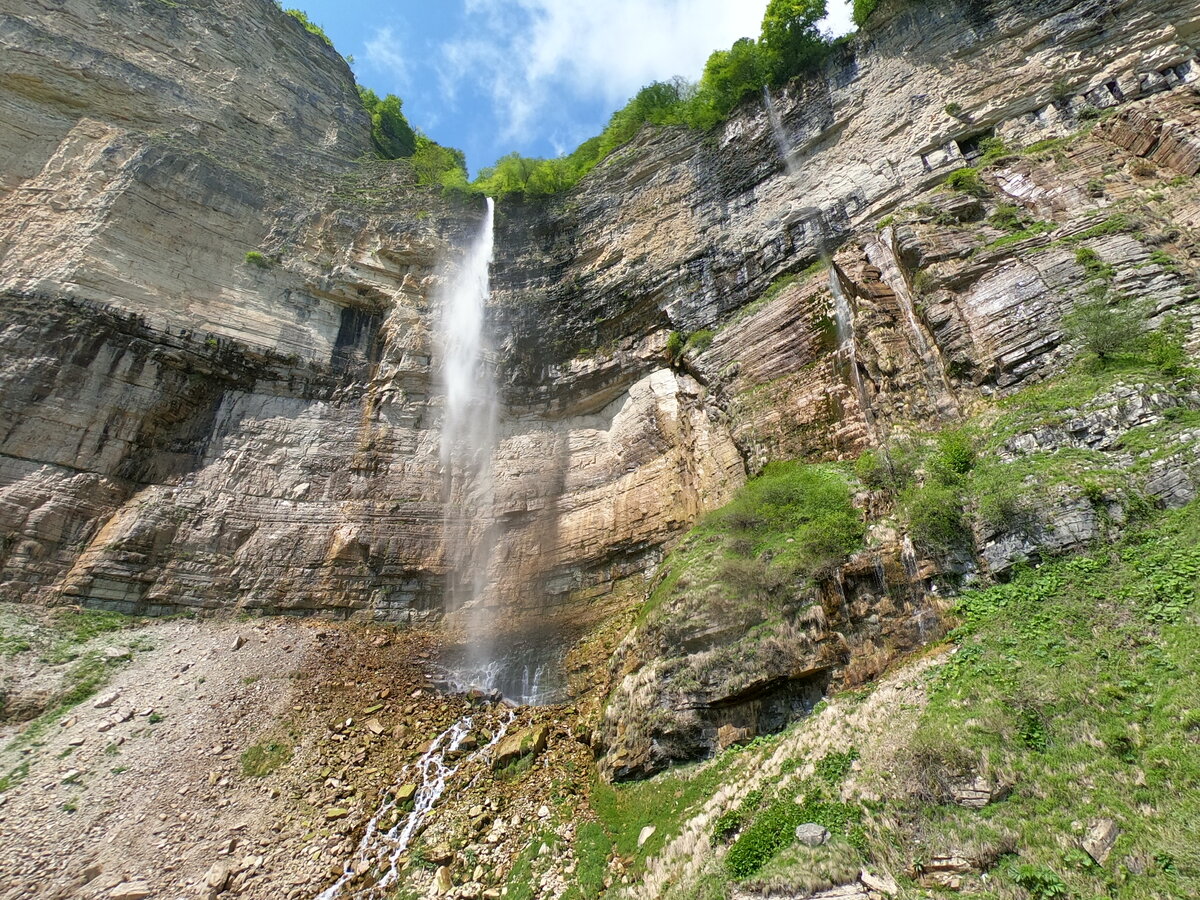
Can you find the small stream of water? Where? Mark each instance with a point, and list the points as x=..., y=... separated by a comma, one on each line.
x=782, y=144
x=378, y=848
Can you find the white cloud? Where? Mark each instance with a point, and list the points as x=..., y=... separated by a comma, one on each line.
x=839, y=20
x=383, y=54
x=533, y=55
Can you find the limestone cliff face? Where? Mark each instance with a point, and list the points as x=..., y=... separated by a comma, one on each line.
x=184, y=428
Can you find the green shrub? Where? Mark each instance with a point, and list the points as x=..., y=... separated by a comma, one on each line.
x=870, y=469
x=1165, y=348
x=954, y=109
x=438, y=165
x=394, y=138
x=993, y=149
x=955, y=456
x=310, y=26
x=1001, y=506
x=967, y=181
x=258, y=260
x=803, y=516
x=935, y=518
x=1089, y=260
x=1102, y=329
x=1042, y=883
x=1008, y=217
x=699, y=341
x=775, y=828
x=675, y=344
x=863, y=10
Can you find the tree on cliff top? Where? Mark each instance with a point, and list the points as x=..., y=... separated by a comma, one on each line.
x=393, y=136
x=790, y=40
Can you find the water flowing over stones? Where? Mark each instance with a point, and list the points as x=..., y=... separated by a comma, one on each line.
x=375, y=862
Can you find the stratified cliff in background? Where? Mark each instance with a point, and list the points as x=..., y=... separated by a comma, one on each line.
x=186, y=426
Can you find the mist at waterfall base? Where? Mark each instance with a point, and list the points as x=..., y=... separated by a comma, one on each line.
x=517, y=669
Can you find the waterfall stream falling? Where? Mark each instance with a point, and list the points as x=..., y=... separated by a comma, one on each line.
x=469, y=433
x=782, y=144
x=470, y=423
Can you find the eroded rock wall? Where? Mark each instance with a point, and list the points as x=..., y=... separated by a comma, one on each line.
x=184, y=426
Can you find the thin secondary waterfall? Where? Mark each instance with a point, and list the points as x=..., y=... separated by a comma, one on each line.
x=469, y=432
x=782, y=144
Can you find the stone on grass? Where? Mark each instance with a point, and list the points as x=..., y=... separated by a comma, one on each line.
x=1099, y=841
x=812, y=835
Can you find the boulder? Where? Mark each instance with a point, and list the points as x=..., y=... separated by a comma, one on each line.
x=514, y=747
x=442, y=882
x=812, y=834
x=1099, y=841
x=131, y=890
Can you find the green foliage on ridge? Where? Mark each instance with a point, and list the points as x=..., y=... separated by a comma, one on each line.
x=862, y=11
x=788, y=46
x=394, y=138
x=309, y=25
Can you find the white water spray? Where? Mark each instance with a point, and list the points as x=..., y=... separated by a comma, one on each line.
x=782, y=144
x=469, y=432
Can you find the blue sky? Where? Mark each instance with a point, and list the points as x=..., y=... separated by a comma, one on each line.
x=534, y=76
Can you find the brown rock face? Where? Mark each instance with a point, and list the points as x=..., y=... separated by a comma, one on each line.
x=188, y=427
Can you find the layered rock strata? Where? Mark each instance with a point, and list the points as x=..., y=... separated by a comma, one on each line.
x=189, y=426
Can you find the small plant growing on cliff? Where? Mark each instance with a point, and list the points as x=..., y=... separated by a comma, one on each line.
x=954, y=109
x=1165, y=348
x=1008, y=217
x=1089, y=260
x=955, y=457
x=863, y=10
x=1101, y=329
x=936, y=521
x=699, y=341
x=258, y=260
x=967, y=181
x=675, y=345
x=310, y=26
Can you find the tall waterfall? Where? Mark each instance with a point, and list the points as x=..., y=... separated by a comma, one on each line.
x=469, y=430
